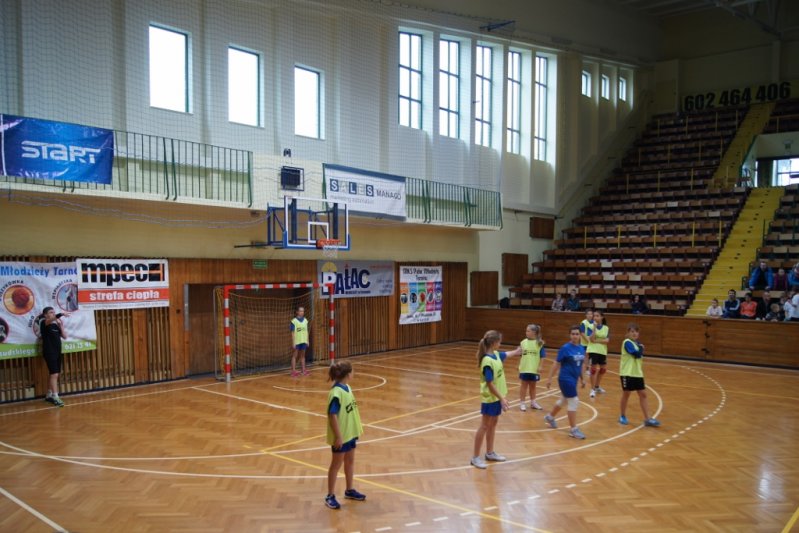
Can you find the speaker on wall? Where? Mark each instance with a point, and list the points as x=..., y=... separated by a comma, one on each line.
x=292, y=178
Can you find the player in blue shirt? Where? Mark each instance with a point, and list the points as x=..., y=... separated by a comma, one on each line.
x=569, y=366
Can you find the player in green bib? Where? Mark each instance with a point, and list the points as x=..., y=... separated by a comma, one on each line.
x=532, y=348
x=493, y=392
x=631, y=370
x=598, y=352
x=343, y=429
x=299, y=338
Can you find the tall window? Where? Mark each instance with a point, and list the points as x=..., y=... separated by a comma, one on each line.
x=604, y=90
x=307, y=103
x=169, y=69
x=482, y=97
x=243, y=87
x=586, y=83
x=514, y=109
x=449, y=88
x=541, y=95
x=623, y=89
x=410, y=80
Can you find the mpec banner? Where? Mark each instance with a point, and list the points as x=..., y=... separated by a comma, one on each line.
x=43, y=149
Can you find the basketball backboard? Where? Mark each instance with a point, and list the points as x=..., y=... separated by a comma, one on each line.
x=302, y=221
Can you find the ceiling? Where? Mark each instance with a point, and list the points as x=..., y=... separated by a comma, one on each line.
x=669, y=8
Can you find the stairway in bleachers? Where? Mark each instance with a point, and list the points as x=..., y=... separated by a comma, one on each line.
x=654, y=229
x=739, y=249
x=728, y=171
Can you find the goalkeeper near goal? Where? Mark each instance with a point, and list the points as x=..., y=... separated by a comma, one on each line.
x=299, y=336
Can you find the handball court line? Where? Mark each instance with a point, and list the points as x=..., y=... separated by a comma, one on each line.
x=33, y=511
x=791, y=522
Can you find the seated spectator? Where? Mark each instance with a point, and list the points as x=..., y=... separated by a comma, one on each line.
x=775, y=314
x=732, y=306
x=780, y=281
x=714, y=310
x=787, y=307
x=638, y=306
x=748, y=307
x=762, y=277
x=573, y=303
x=793, y=277
x=794, y=305
x=559, y=304
x=764, y=305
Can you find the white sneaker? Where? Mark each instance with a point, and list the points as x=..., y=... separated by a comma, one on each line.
x=593, y=393
x=478, y=462
x=494, y=456
x=535, y=405
x=600, y=390
x=523, y=407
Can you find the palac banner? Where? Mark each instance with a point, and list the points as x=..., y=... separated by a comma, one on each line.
x=26, y=289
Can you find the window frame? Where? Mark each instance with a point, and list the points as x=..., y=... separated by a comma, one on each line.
x=541, y=102
x=187, y=68
x=413, y=115
x=258, y=87
x=513, y=129
x=483, y=81
x=604, y=86
x=622, y=88
x=585, y=83
x=449, y=88
x=319, y=125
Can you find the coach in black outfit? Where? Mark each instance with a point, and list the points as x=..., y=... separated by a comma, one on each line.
x=52, y=331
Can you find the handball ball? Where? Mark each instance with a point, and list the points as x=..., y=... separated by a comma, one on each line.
x=21, y=297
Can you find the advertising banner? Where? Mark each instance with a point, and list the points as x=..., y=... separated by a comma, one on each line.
x=122, y=283
x=366, y=192
x=43, y=149
x=357, y=278
x=26, y=289
x=421, y=294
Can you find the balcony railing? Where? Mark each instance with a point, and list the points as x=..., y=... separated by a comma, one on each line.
x=170, y=168
x=434, y=202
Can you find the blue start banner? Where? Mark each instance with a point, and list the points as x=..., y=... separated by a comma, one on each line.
x=43, y=149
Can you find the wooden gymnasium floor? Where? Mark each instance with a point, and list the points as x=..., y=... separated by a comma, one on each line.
x=203, y=456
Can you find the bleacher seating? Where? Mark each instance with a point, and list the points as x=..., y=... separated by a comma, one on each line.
x=784, y=117
x=781, y=244
x=655, y=227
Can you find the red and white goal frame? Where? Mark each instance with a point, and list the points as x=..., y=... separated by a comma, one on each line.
x=226, y=313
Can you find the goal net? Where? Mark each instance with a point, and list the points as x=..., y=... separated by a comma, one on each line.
x=258, y=335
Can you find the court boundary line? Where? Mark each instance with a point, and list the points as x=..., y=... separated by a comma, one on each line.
x=57, y=527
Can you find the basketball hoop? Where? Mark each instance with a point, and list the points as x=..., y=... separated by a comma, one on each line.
x=329, y=247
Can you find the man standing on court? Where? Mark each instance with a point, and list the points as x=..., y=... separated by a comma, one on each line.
x=299, y=335
x=52, y=331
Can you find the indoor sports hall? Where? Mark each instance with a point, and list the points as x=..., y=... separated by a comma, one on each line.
x=377, y=266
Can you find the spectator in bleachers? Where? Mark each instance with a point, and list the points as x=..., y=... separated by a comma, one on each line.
x=732, y=306
x=793, y=277
x=764, y=305
x=787, y=306
x=559, y=304
x=714, y=310
x=780, y=281
x=762, y=277
x=794, y=305
x=573, y=303
x=638, y=306
x=748, y=307
x=775, y=314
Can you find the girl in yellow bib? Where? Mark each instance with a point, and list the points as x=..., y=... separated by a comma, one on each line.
x=532, y=352
x=343, y=429
x=493, y=392
x=598, y=352
x=299, y=338
x=631, y=372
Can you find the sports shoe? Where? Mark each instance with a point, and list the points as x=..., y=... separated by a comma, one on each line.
x=522, y=407
x=330, y=501
x=651, y=422
x=294, y=373
x=592, y=394
x=599, y=390
x=49, y=399
x=58, y=402
x=551, y=421
x=494, y=456
x=478, y=462
x=623, y=420
x=576, y=433
x=353, y=494
x=306, y=373
x=534, y=405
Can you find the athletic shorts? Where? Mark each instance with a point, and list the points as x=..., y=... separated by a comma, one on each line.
x=347, y=446
x=491, y=409
x=529, y=377
x=567, y=388
x=54, y=362
x=630, y=383
x=301, y=346
x=598, y=358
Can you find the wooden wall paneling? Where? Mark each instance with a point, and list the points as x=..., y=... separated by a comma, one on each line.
x=158, y=344
x=514, y=267
x=745, y=341
x=483, y=287
x=141, y=348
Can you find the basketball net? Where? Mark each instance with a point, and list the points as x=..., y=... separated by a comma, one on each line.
x=329, y=247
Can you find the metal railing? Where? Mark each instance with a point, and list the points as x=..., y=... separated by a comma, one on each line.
x=171, y=168
x=434, y=202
